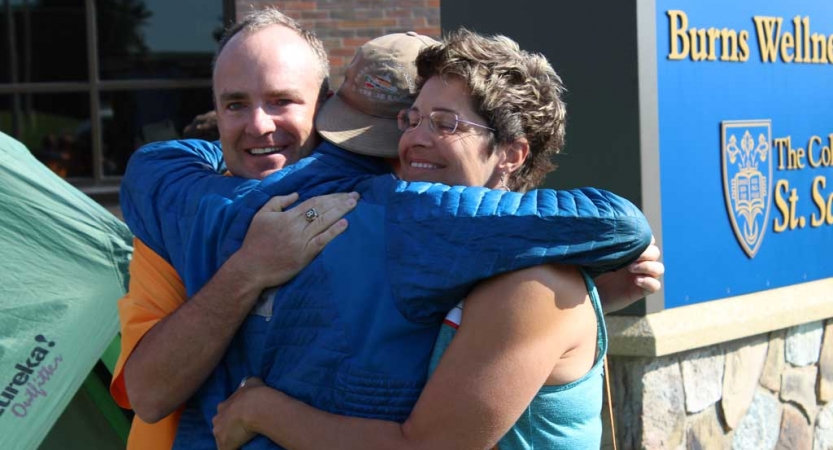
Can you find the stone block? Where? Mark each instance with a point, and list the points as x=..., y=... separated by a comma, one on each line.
x=702, y=372
x=705, y=432
x=803, y=344
x=625, y=375
x=771, y=378
x=823, y=432
x=744, y=363
x=798, y=385
x=760, y=427
x=796, y=433
x=663, y=406
x=826, y=365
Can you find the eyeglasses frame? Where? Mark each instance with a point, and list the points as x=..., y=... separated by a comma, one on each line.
x=457, y=121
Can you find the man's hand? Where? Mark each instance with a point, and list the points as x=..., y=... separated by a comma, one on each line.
x=625, y=286
x=231, y=427
x=281, y=242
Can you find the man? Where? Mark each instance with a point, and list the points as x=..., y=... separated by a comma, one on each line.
x=269, y=80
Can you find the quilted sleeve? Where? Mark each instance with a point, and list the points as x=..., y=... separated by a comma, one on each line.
x=444, y=239
x=173, y=193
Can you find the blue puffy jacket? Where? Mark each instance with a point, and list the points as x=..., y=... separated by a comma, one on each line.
x=353, y=332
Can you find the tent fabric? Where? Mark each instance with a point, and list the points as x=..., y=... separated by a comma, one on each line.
x=63, y=267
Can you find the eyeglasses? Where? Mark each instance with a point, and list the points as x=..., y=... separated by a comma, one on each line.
x=443, y=123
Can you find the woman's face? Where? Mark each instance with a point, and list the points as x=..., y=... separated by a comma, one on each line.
x=463, y=158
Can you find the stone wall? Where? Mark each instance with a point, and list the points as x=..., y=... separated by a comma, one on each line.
x=344, y=25
x=766, y=392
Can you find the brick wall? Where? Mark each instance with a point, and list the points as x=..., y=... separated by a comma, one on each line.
x=344, y=25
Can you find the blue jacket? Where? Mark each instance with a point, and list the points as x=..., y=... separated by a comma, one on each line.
x=353, y=332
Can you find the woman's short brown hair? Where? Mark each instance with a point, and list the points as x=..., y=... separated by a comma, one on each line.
x=517, y=92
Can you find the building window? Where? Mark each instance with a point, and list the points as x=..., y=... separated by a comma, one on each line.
x=84, y=83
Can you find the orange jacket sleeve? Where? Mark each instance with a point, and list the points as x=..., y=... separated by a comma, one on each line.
x=155, y=291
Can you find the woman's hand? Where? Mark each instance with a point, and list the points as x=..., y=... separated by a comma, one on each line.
x=232, y=426
x=280, y=242
x=627, y=285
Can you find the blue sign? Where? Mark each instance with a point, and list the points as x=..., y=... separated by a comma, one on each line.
x=745, y=91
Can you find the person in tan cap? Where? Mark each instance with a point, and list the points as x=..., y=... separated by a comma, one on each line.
x=351, y=334
x=378, y=84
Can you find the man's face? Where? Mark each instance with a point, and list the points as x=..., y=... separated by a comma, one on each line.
x=266, y=87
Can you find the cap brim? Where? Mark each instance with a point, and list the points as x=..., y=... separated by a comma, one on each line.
x=353, y=130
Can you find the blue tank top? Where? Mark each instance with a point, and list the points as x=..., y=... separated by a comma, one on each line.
x=566, y=416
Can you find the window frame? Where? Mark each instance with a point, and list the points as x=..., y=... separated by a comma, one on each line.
x=94, y=86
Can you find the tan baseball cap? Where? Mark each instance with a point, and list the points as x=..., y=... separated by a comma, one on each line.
x=378, y=83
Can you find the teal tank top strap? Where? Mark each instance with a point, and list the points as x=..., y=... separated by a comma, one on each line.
x=597, y=307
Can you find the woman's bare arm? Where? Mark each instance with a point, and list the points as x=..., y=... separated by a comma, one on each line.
x=516, y=329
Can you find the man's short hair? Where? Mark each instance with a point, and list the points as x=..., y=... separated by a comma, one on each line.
x=267, y=17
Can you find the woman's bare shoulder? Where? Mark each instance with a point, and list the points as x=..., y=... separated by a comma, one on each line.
x=562, y=284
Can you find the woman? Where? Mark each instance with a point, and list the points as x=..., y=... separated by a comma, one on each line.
x=487, y=115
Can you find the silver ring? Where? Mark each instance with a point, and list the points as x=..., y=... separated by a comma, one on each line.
x=243, y=383
x=311, y=215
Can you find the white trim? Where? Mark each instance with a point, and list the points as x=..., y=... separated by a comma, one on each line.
x=704, y=324
x=646, y=50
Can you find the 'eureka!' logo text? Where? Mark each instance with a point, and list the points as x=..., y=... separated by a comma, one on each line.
x=27, y=384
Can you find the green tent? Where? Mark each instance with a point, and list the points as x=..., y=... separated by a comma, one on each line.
x=63, y=266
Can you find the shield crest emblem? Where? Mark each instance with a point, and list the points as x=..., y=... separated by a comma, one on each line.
x=746, y=154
